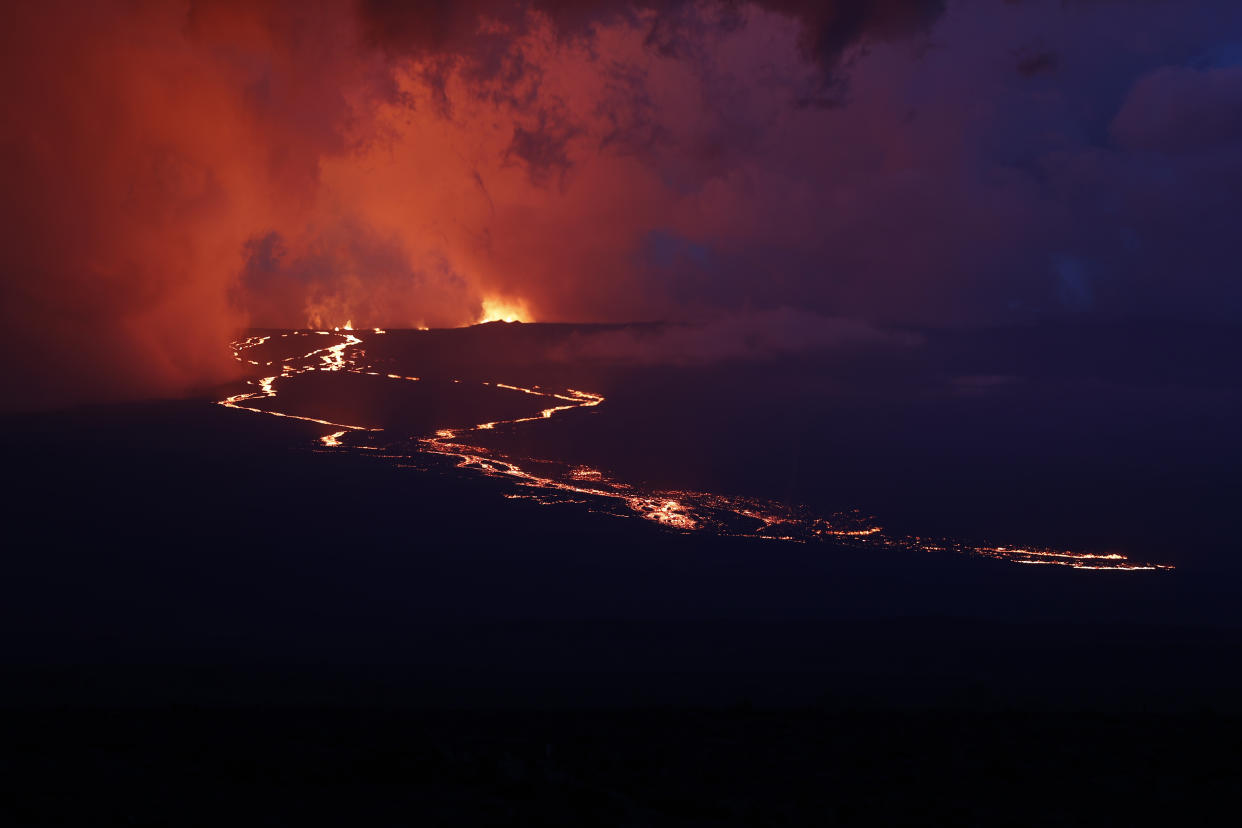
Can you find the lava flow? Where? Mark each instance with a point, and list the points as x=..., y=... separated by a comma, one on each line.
x=333, y=359
x=554, y=482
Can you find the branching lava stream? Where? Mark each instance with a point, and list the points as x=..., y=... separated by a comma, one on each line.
x=551, y=482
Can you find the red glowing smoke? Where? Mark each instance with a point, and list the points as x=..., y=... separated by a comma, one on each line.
x=177, y=171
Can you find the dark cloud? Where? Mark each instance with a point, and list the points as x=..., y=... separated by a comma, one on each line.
x=1178, y=109
x=543, y=146
x=628, y=109
x=1040, y=63
x=829, y=27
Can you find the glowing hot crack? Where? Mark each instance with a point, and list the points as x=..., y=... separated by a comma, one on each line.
x=564, y=483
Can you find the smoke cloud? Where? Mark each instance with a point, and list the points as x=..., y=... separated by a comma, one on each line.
x=178, y=171
x=739, y=336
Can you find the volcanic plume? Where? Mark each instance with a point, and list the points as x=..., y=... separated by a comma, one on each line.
x=176, y=172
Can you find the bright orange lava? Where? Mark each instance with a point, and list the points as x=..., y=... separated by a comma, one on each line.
x=504, y=310
x=558, y=482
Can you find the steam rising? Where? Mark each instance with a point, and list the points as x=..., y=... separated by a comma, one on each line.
x=177, y=171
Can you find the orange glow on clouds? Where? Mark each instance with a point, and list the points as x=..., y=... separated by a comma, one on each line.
x=178, y=172
x=268, y=164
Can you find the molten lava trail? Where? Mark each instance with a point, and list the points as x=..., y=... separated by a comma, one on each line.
x=555, y=482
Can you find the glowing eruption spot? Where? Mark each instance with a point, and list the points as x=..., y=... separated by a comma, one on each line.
x=667, y=513
x=504, y=310
x=332, y=440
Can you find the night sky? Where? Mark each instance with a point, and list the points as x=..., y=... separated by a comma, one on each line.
x=774, y=170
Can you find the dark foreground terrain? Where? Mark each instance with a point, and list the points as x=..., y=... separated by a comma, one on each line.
x=204, y=621
x=658, y=767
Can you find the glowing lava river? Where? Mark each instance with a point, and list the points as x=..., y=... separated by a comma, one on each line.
x=554, y=482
